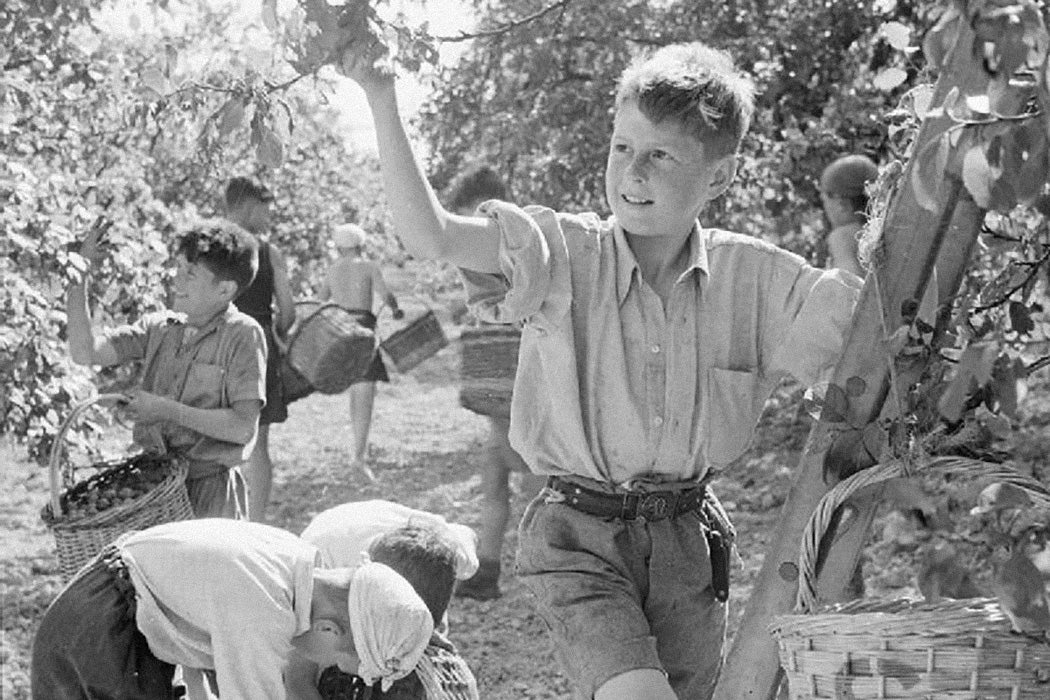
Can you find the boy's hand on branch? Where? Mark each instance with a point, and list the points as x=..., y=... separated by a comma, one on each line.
x=365, y=60
x=91, y=246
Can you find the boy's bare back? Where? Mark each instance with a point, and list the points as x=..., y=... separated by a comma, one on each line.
x=351, y=283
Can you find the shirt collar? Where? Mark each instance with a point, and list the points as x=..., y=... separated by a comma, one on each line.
x=627, y=264
x=213, y=323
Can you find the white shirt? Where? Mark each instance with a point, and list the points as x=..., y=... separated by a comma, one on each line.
x=345, y=532
x=222, y=594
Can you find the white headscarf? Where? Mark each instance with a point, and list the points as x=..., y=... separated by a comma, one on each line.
x=390, y=622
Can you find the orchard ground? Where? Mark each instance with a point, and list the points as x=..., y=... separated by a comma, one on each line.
x=427, y=453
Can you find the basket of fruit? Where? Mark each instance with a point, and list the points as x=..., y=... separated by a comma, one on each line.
x=125, y=494
x=902, y=648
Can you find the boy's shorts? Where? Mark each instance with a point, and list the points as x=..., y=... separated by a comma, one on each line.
x=621, y=595
x=221, y=494
x=88, y=645
x=276, y=408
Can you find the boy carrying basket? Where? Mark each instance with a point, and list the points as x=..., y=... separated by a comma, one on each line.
x=649, y=346
x=204, y=363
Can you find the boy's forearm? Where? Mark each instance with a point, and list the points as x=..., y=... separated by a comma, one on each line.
x=225, y=424
x=79, y=334
x=418, y=216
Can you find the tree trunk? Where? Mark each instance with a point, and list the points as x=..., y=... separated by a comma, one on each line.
x=913, y=239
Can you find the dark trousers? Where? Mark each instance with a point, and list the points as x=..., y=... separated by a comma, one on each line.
x=88, y=647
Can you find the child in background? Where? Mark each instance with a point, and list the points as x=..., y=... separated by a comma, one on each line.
x=268, y=299
x=354, y=283
x=228, y=601
x=650, y=344
x=204, y=363
x=468, y=193
x=844, y=198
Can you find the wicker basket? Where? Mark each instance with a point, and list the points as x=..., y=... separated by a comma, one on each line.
x=417, y=341
x=489, y=363
x=945, y=650
x=79, y=539
x=445, y=675
x=331, y=348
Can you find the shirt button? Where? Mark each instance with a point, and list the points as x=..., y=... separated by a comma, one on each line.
x=658, y=421
x=654, y=349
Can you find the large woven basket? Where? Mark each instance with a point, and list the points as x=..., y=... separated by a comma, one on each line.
x=415, y=342
x=488, y=364
x=330, y=348
x=78, y=539
x=872, y=648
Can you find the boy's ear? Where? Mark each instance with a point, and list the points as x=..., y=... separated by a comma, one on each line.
x=722, y=174
x=228, y=289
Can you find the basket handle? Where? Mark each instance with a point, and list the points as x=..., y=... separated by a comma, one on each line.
x=823, y=514
x=56, y=445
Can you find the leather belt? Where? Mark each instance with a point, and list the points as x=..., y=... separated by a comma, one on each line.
x=652, y=505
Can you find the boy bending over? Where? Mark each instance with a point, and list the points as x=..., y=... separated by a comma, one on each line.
x=423, y=548
x=649, y=346
x=228, y=601
x=204, y=362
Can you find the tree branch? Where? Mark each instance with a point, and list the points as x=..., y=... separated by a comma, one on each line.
x=507, y=27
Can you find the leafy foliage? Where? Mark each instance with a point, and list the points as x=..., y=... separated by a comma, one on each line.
x=134, y=134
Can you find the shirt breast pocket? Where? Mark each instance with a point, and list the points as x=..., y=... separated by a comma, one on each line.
x=734, y=402
x=205, y=386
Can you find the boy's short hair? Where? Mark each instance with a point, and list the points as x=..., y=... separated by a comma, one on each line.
x=481, y=182
x=241, y=189
x=227, y=250
x=848, y=177
x=424, y=558
x=697, y=86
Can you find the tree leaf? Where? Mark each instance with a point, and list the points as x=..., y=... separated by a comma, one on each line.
x=896, y=34
x=270, y=150
x=269, y=15
x=230, y=116
x=836, y=404
x=889, y=78
x=1020, y=318
x=154, y=79
x=973, y=370
x=928, y=172
x=977, y=176
x=856, y=386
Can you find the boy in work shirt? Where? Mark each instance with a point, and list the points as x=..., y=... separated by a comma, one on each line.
x=649, y=347
x=203, y=365
x=228, y=601
x=354, y=283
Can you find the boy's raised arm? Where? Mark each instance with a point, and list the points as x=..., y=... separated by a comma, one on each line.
x=423, y=225
x=84, y=348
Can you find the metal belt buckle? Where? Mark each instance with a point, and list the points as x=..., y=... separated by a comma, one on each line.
x=654, y=506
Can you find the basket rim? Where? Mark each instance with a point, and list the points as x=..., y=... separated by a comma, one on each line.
x=175, y=478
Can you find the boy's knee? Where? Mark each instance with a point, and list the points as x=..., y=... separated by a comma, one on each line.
x=648, y=683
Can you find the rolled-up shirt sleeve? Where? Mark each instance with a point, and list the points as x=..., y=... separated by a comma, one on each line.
x=808, y=336
x=526, y=263
x=130, y=341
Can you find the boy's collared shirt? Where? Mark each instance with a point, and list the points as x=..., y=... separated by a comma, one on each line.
x=224, y=361
x=612, y=385
x=222, y=594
